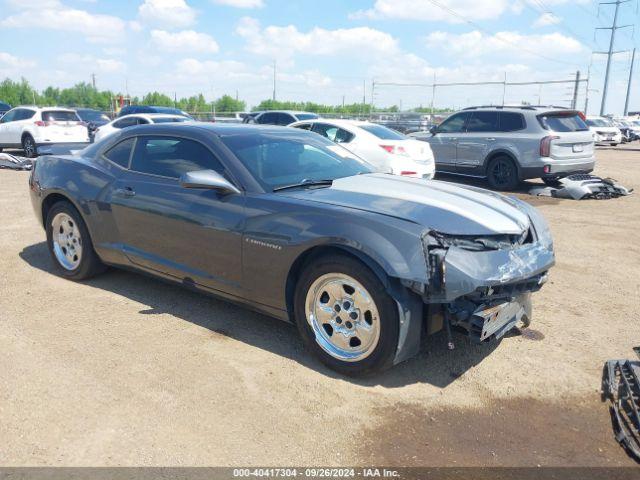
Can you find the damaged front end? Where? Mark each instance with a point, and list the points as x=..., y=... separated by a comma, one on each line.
x=483, y=284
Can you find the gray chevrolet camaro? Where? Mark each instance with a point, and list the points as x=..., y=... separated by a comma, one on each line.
x=292, y=225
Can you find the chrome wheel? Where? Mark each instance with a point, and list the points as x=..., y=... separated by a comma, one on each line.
x=67, y=241
x=343, y=316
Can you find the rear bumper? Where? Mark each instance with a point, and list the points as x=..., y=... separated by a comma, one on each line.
x=558, y=168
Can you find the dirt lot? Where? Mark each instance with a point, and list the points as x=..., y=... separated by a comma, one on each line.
x=126, y=370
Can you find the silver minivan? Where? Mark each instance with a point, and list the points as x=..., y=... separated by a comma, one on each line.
x=506, y=145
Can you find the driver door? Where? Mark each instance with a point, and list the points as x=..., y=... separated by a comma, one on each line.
x=193, y=235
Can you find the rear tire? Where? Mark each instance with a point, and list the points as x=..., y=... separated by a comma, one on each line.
x=502, y=173
x=345, y=316
x=69, y=243
x=29, y=146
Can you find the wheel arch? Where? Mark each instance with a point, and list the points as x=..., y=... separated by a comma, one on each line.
x=51, y=199
x=501, y=152
x=321, y=250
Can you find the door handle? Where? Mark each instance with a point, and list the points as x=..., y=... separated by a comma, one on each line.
x=125, y=192
x=490, y=139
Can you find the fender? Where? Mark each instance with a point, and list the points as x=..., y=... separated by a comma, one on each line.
x=500, y=151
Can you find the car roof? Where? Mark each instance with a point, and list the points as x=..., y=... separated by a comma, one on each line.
x=340, y=122
x=150, y=115
x=532, y=108
x=219, y=129
x=292, y=112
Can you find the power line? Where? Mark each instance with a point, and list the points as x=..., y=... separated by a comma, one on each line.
x=504, y=40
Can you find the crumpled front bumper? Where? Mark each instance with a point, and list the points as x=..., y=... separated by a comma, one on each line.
x=485, y=292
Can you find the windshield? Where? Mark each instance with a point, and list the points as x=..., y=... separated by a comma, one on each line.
x=277, y=160
x=92, y=116
x=383, y=133
x=563, y=122
x=169, y=119
x=598, y=122
x=306, y=116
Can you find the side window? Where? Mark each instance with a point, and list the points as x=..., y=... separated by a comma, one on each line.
x=125, y=122
x=333, y=133
x=143, y=121
x=454, y=124
x=267, y=118
x=511, y=122
x=172, y=156
x=120, y=153
x=483, y=122
x=8, y=117
x=285, y=119
x=304, y=126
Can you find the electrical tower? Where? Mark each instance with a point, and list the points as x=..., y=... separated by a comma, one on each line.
x=614, y=28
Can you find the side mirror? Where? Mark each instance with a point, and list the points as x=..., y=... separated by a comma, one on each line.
x=208, y=179
x=433, y=130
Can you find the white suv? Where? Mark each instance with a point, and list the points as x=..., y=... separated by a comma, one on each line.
x=29, y=127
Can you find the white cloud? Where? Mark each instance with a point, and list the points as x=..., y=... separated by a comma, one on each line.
x=53, y=15
x=8, y=60
x=474, y=44
x=191, y=67
x=284, y=42
x=168, y=13
x=425, y=10
x=186, y=40
x=101, y=65
x=546, y=19
x=241, y=3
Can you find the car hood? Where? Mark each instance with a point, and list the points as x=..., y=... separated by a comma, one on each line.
x=440, y=206
x=605, y=129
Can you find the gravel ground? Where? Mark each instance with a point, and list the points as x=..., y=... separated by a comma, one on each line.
x=126, y=370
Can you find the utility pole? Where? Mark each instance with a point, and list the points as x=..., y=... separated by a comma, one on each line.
x=614, y=28
x=93, y=80
x=626, y=102
x=274, y=80
x=574, y=102
x=586, y=97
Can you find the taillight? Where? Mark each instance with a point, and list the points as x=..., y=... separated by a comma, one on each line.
x=582, y=116
x=405, y=172
x=545, y=145
x=40, y=123
x=395, y=150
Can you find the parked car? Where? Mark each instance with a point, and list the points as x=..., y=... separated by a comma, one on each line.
x=138, y=119
x=634, y=124
x=4, y=108
x=30, y=127
x=250, y=117
x=276, y=218
x=93, y=119
x=378, y=145
x=630, y=132
x=604, y=132
x=131, y=109
x=506, y=145
x=284, y=117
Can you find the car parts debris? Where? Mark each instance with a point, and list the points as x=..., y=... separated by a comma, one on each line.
x=621, y=386
x=582, y=187
x=13, y=162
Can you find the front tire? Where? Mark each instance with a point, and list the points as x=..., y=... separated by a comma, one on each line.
x=502, y=173
x=345, y=316
x=69, y=243
x=29, y=146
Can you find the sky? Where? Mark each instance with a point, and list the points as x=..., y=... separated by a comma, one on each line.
x=324, y=51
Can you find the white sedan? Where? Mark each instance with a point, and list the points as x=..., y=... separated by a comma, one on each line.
x=380, y=146
x=136, y=119
x=604, y=131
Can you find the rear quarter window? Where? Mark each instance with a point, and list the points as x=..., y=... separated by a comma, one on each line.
x=120, y=153
x=563, y=122
x=511, y=122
